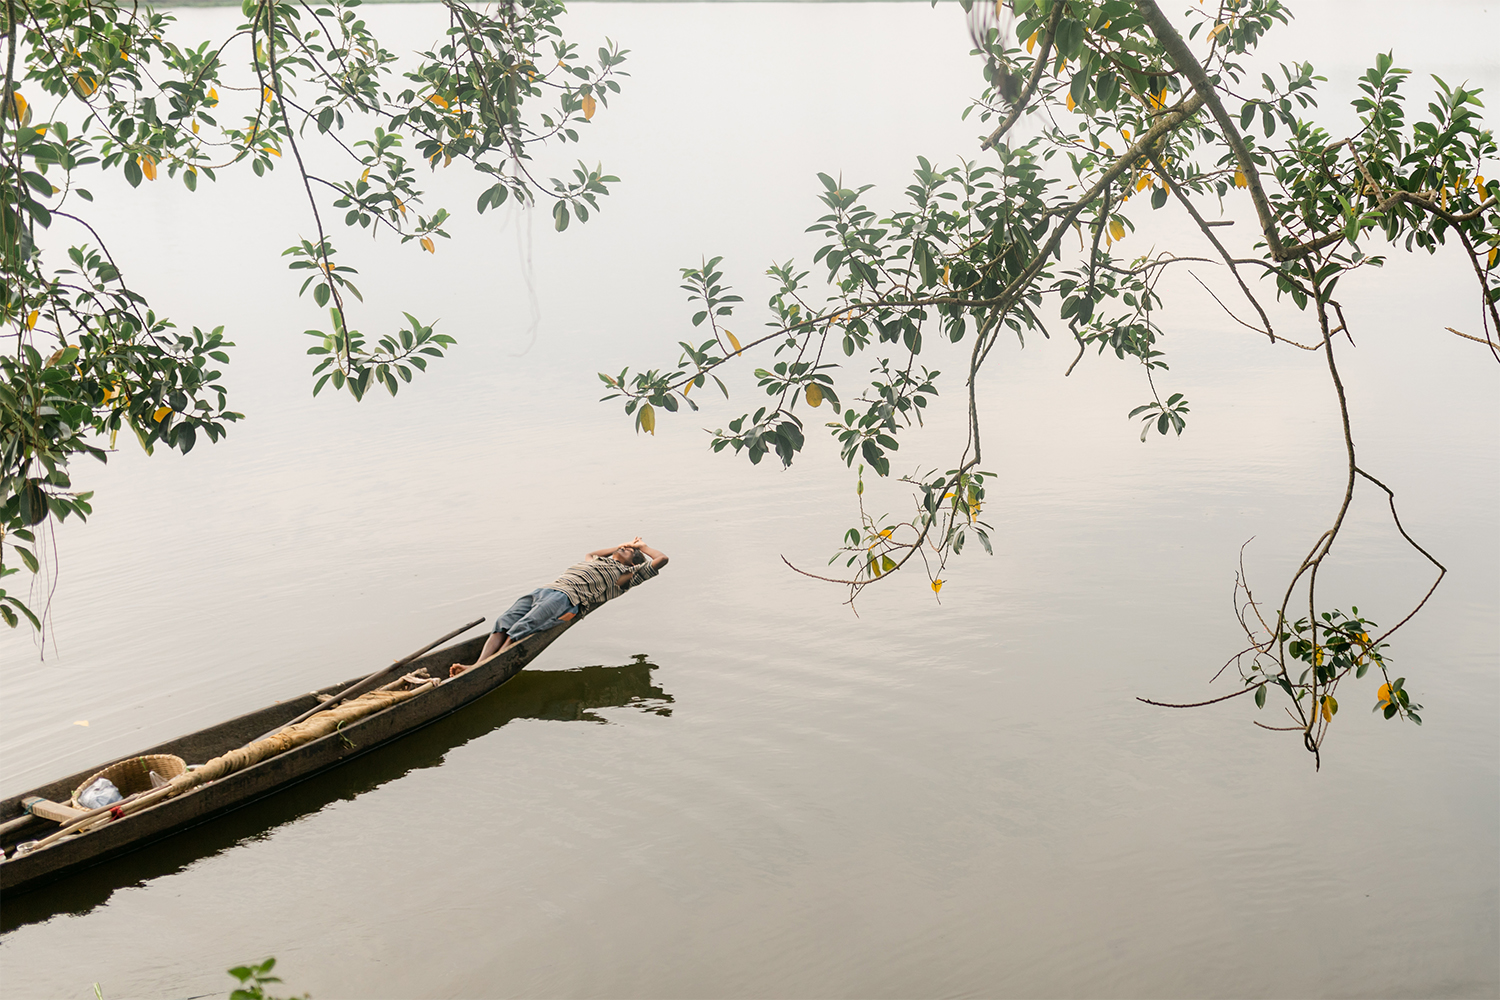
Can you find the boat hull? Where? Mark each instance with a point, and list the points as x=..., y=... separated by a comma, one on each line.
x=22, y=873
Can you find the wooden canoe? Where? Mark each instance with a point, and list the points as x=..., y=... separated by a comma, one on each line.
x=20, y=873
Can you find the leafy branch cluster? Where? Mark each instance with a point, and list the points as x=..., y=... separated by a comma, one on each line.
x=1125, y=106
x=253, y=980
x=105, y=85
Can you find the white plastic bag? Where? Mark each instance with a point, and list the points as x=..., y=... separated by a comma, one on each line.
x=101, y=793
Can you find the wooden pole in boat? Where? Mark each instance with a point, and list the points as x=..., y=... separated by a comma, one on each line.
x=360, y=687
x=87, y=817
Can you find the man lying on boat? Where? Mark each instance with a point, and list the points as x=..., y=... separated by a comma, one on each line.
x=602, y=576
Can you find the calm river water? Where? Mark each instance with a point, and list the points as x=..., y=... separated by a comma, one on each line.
x=728, y=784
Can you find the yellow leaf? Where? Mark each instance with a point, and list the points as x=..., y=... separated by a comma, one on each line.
x=1494, y=252
x=1071, y=105
x=1144, y=182
x=148, y=166
x=734, y=341
x=885, y=533
x=1383, y=696
x=364, y=176
x=946, y=271
x=84, y=85
x=1218, y=30
x=814, y=396
x=1126, y=133
x=18, y=106
x=937, y=586
x=36, y=314
x=268, y=149
x=648, y=419
x=109, y=393
x=1327, y=715
x=1031, y=42
x=588, y=106
x=401, y=205
x=685, y=389
x=161, y=414
x=441, y=102
x=1240, y=180
x=1116, y=229
x=195, y=126
x=213, y=97
x=1331, y=706
x=267, y=94
x=427, y=245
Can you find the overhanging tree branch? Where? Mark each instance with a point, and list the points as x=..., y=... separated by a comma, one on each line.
x=1182, y=58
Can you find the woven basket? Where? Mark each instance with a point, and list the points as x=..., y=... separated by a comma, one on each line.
x=134, y=775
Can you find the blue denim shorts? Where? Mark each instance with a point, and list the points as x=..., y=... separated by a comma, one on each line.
x=537, y=611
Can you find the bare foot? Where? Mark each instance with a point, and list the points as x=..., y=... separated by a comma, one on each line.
x=459, y=668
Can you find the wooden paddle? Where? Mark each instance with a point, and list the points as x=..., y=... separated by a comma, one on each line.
x=75, y=823
x=39, y=808
x=370, y=682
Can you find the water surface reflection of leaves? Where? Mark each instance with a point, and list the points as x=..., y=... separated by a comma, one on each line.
x=549, y=695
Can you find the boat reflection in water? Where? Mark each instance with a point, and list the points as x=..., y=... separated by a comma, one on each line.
x=548, y=695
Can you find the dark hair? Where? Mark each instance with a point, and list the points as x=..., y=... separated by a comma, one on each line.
x=640, y=557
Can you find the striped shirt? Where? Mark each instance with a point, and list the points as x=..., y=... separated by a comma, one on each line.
x=592, y=582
